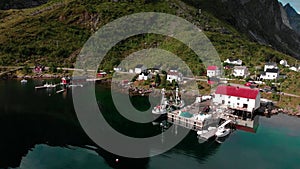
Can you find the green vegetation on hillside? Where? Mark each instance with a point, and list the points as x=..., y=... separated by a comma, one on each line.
x=56, y=31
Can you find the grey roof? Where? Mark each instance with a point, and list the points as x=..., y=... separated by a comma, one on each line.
x=139, y=66
x=271, y=63
x=272, y=70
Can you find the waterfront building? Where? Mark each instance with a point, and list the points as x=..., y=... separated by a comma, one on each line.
x=237, y=98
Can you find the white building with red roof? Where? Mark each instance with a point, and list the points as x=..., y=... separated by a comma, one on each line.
x=213, y=71
x=238, y=98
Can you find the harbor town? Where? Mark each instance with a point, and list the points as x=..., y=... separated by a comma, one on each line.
x=228, y=107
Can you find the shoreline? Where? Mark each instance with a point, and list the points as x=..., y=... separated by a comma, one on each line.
x=155, y=92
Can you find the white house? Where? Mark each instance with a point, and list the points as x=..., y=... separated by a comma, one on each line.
x=284, y=63
x=234, y=61
x=118, y=69
x=144, y=76
x=293, y=68
x=238, y=98
x=270, y=65
x=270, y=74
x=213, y=71
x=240, y=71
x=139, y=68
x=177, y=76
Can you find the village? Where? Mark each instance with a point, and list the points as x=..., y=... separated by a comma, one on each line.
x=227, y=93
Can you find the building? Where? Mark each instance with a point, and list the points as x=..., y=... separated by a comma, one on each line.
x=270, y=74
x=240, y=71
x=139, y=68
x=233, y=61
x=238, y=98
x=270, y=65
x=118, y=69
x=293, y=68
x=101, y=74
x=39, y=69
x=172, y=75
x=213, y=71
x=284, y=63
x=144, y=76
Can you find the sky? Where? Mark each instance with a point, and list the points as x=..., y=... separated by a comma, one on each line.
x=294, y=3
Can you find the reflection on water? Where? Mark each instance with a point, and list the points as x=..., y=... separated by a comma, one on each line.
x=39, y=129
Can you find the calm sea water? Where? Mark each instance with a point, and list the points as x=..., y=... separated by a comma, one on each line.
x=39, y=130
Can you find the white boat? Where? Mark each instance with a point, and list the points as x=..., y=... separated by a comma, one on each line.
x=162, y=108
x=179, y=103
x=23, y=81
x=222, y=130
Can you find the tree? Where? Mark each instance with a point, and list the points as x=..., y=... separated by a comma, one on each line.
x=157, y=80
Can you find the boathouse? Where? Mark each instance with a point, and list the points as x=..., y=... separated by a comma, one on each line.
x=237, y=98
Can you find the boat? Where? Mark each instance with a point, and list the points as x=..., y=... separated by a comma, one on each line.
x=162, y=108
x=23, y=81
x=223, y=130
x=178, y=103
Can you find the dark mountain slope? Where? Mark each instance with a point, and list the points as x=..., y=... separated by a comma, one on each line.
x=261, y=20
x=293, y=16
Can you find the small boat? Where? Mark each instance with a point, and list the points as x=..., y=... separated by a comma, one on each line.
x=223, y=130
x=162, y=108
x=23, y=81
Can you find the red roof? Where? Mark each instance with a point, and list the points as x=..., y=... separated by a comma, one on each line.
x=212, y=67
x=237, y=91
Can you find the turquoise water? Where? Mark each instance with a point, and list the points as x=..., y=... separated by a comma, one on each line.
x=38, y=130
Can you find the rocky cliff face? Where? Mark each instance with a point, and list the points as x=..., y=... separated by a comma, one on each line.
x=20, y=4
x=264, y=22
x=293, y=17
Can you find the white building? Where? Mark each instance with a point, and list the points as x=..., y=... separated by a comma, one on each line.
x=240, y=71
x=270, y=65
x=284, y=63
x=293, y=68
x=238, y=98
x=233, y=61
x=118, y=69
x=144, y=76
x=213, y=71
x=139, y=68
x=177, y=76
x=270, y=74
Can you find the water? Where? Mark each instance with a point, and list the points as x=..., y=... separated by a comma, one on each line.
x=38, y=129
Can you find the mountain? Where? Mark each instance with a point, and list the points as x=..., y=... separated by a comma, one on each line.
x=261, y=20
x=20, y=4
x=293, y=16
x=54, y=33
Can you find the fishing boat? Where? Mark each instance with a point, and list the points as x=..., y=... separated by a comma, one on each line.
x=163, y=106
x=223, y=130
x=178, y=103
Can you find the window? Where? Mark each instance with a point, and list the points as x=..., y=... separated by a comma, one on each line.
x=228, y=102
x=247, y=100
x=223, y=102
x=238, y=104
x=238, y=98
x=229, y=97
x=220, y=95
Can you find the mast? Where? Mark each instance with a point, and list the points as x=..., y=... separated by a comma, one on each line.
x=162, y=96
x=177, y=96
